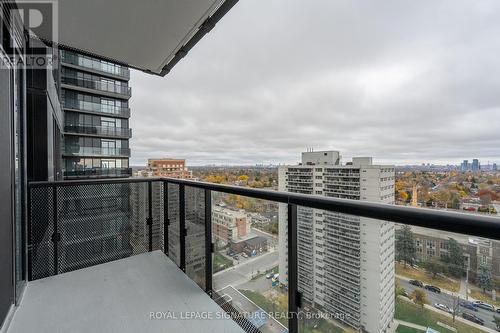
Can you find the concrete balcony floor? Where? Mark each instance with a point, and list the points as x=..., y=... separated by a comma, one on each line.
x=118, y=297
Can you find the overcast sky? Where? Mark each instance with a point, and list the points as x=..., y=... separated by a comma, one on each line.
x=402, y=81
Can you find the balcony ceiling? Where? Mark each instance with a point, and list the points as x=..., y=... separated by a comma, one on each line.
x=144, y=34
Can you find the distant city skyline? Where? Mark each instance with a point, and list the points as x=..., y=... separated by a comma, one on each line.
x=198, y=162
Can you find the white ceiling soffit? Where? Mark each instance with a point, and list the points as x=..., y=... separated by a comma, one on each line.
x=143, y=34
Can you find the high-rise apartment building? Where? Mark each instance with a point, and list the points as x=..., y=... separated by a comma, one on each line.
x=168, y=167
x=345, y=262
x=94, y=97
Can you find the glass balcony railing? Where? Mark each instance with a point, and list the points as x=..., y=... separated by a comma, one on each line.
x=98, y=173
x=72, y=58
x=320, y=265
x=97, y=85
x=99, y=130
x=96, y=151
x=96, y=107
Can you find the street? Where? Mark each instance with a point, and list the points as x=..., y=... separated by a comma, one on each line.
x=244, y=271
x=447, y=300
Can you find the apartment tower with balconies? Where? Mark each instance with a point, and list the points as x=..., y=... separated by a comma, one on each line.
x=94, y=97
x=345, y=262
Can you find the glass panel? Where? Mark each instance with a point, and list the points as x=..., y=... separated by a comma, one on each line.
x=246, y=276
x=345, y=272
x=174, y=247
x=357, y=273
x=195, y=237
x=455, y=275
x=158, y=215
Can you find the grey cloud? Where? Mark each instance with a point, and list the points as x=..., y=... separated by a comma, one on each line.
x=403, y=81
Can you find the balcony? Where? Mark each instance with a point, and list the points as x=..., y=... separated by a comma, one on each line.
x=98, y=173
x=119, y=296
x=101, y=131
x=116, y=247
x=100, y=87
x=96, y=151
x=95, y=65
x=95, y=108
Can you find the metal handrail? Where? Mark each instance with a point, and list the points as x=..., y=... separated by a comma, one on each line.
x=458, y=222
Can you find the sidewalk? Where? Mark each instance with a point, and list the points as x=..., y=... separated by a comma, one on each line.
x=457, y=318
x=408, y=324
x=444, y=291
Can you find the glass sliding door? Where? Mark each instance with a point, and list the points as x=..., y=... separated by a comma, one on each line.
x=108, y=147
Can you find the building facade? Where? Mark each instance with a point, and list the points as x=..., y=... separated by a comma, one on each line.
x=345, y=262
x=167, y=167
x=94, y=97
x=431, y=246
x=229, y=225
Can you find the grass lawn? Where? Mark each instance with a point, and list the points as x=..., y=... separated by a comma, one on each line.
x=477, y=294
x=221, y=262
x=406, y=329
x=421, y=275
x=307, y=326
x=265, y=304
x=412, y=313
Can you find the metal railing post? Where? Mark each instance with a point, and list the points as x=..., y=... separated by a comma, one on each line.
x=182, y=227
x=56, y=236
x=149, y=219
x=294, y=297
x=166, y=221
x=30, y=235
x=208, y=241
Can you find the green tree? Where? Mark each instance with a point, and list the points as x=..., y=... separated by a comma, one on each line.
x=433, y=267
x=455, y=259
x=405, y=245
x=398, y=290
x=419, y=297
x=484, y=279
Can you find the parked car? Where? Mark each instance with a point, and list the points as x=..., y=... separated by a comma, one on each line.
x=473, y=318
x=230, y=253
x=434, y=289
x=498, y=310
x=416, y=283
x=443, y=307
x=468, y=305
x=269, y=275
x=236, y=257
x=483, y=305
x=244, y=255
